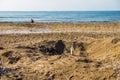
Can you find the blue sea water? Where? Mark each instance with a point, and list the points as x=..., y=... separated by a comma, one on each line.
x=60, y=16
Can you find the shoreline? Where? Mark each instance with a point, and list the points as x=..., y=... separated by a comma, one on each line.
x=92, y=22
x=55, y=27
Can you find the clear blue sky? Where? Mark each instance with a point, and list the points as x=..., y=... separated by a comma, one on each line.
x=58, y=5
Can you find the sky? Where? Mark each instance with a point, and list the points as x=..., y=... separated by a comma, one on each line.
x=59, y=5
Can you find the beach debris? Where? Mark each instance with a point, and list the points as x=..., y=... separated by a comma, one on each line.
x=1, y=48
x=32, y=21
x=51, y=50
x=7, y=54
x=4, y=71
x=46, y=50
x=85, y=60
x=71, y=77
x=82, y=49
x=25, y=47
x=81, y=46
x=43, y=49
x=115, y=40
x=59, y=47
x=1, y=63
x=73, y=47
x=98, y=64
x=13, y=59
x=52, y=47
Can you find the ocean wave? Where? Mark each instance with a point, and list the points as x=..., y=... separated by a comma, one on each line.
x=61, y=16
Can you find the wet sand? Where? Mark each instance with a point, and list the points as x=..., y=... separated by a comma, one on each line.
x=97, y=59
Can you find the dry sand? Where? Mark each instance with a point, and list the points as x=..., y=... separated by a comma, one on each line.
x=22, y=59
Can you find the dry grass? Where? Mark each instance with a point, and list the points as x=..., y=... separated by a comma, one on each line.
x=102, y=53
x=63, y=26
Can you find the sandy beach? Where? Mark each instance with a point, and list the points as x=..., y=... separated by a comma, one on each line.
x=28, y=51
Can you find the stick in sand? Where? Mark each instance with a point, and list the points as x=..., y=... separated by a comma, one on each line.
x=71, y=49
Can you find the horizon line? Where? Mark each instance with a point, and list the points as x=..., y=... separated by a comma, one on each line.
x=58, y=10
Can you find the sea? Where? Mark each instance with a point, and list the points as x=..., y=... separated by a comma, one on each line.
x=60, y=16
